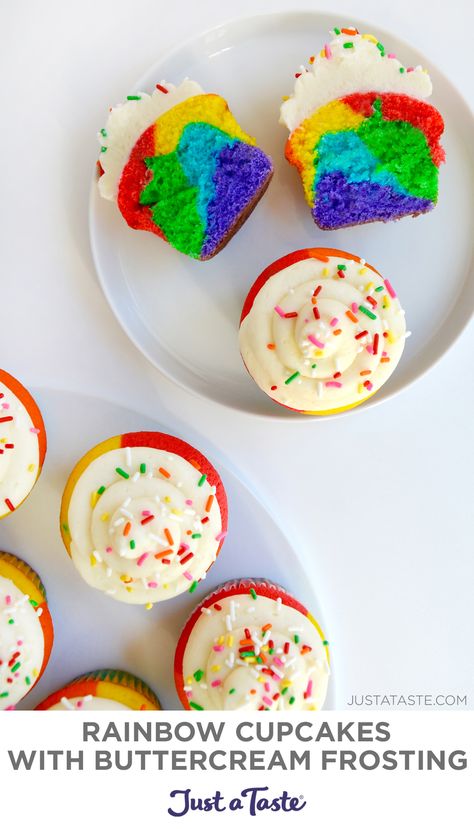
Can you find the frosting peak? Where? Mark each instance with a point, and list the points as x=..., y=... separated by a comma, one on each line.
x=351, y=62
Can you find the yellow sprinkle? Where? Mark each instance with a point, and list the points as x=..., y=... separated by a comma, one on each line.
x=177, y=511
x=360, y=388
x=286, y=683
x=105, y=516
x=386, y=302
x=93, y=560
x=325, y=272
x=369, y=286
x=362, y=271
x=126, y=579
x=285, y=98
x=166, y=586
x=215, y=668
x=391, y=338
x=221, y=640
x=230, y=640
x=35, y=672
x=94, y=499
x=189, y=680
x=31, y=467
x=148, y=606
x=312, y=708
x=318, y=352
x=371, y=38
x=3, y=440
x=322, y=53
x=128, y=589
x=261, y=678
x=167, y=499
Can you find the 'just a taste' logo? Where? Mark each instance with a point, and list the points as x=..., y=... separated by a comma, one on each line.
x=253, y=801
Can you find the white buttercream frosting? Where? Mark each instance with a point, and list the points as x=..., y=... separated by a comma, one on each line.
x=338, y=71
x=21, y=644
x=287, y=667
x=127, y=122
x=19, y=451
x=148, y=536
x=320, y=360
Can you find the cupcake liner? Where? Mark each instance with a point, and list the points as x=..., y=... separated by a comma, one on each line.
x=107, y=683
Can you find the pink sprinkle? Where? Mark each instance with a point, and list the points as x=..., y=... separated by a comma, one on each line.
x=391, y=55
x=327, y=51
x=8, y=599
x=216, y=683
x=187, y=575
x=386, y=282
x=79, y=703
x=188, y=502
x=218, y=648
x=354, y=307
x=267, y=687
x=334, y=321
x=183, y=548
x=20, y=642
x=384, y=353
x=280, y=311
x=369, y=349
x=10, y=708
x=315, y=342
x=334, y=384
x=35, y=431
x=5, y=405
x=368, y=385
x=152, y=584
x=189, y=694
x=145, y=512
x=220, y=536
x=141, y=560
x=277, y=661
x=267, y=701
x=109, y=550
x=410, y=69
x=309, y=688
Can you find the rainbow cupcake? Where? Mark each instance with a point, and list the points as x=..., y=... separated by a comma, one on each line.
x=22, y=443
x=321, y=331
x=26, y=630
x=105, y=690
x=143, y=517
x=362, y=137
x=178, y=164
x=251, y=646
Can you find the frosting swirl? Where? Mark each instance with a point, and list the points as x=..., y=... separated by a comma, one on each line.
x=20, y=455
x=250, y=651
x=142, y=524
x=323, y=333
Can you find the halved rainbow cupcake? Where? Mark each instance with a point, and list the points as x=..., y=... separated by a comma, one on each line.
x=178, y=164
x=362, y=137
x=26, y=630
x=321, y=331
x=143, y=517
x=251, y=646
x=22, y=443
x=104, y=690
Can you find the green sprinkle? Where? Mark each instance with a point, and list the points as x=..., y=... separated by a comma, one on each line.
x=367, y=312
x=27, y=680
x=314, y=365
x=253, y=593
x=292, y=377
x=15, y=667
x=196, y=535
x=336, y=31
x=196, y=706
x=201, y=480
x=401, y=70
x=4, y=694
x=121, y=472
x=103, y=132
x=342, y=267
x=33, y=603
x=232, y=691
x=11, y=621
x=348, y=45
x=193, y=587
x=132, y=544
x=143, y=468
x=285, y=690
x=103, y=149
x=296, y=639
x=325, y=642
x=198, y=675
x=134, y=97
x=271, y=651
x=380, y=288
x=66, y=528
x=292, y=700
x=259, y=660
x=247, y=653
x=101, y=490
x=381, y=48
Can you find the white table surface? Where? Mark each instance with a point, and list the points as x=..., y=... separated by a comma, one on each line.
x=376, y=502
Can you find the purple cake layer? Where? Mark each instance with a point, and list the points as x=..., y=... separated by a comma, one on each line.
x=341, y=202
x=241, y=173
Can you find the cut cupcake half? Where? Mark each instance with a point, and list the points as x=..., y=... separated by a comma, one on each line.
x=362, y=136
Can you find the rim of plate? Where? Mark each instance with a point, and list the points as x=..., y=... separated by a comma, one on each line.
x=463, y=309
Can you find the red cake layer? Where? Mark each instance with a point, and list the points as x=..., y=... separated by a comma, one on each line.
x=135, y=177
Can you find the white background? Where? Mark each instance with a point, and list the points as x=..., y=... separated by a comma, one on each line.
x=375, y=502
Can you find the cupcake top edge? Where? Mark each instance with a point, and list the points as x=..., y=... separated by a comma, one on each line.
x=351, y=62
x=128, y=120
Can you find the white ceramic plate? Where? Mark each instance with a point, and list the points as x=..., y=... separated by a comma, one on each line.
x=92, y=630
x=184, y=315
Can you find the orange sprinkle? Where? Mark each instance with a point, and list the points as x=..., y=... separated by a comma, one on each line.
x=351, y=316
x=385, y=360
x=350, y=31
x=209, y=503
x=253, y=691
x=163, y=553
x=271, y=346
x=367, y=371
x=337, y=332
x=169, y=537
x=311, y=60
x=127, y=528
x=196, y=464
x=267, y=627
x=164, y=472
x=246, y=642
